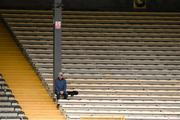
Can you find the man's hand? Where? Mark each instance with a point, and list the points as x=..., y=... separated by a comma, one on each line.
x=61, y=92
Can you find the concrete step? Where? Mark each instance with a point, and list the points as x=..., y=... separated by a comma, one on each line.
x=117, y=76
x=102, y=62
x=120, y=102
x=119, y=30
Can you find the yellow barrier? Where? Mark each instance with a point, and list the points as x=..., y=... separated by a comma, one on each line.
x=102, y=118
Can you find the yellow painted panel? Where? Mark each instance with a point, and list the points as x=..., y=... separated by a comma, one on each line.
x=23, y=81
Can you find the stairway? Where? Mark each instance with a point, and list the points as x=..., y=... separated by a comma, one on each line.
x=23, y=81
x=9, y=108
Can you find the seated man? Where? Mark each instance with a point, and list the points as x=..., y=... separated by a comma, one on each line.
x=60, y=87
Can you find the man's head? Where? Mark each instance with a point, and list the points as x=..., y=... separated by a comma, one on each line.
x=61, y=76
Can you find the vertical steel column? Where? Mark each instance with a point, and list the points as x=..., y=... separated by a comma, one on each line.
x=57, y=39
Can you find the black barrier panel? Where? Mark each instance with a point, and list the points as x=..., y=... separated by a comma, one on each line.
x=103, y=5
x=26, y=4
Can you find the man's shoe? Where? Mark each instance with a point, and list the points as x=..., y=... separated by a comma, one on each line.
x=57, y=106
x=54, y=99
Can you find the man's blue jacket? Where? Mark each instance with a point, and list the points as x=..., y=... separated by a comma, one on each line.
x=60, y=85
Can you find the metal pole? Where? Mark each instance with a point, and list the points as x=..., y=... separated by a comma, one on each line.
x=57, y=18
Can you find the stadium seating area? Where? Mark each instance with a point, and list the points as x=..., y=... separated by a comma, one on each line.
x=122, y=63
x=9, y=107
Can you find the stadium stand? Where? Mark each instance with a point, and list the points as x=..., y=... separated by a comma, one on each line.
x=122, y=63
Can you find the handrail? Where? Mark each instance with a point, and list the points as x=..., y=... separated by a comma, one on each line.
x=114, y=117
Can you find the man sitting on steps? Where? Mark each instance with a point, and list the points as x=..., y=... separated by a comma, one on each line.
x=60, y=87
